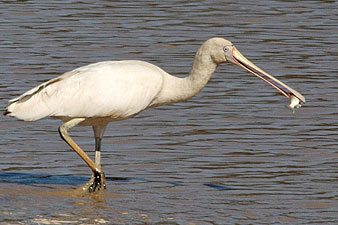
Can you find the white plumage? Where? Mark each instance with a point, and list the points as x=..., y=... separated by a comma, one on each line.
x=102, y=92
x=91, y=91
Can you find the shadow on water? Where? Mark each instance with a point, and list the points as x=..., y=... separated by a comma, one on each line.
x=33, y=179
x=74, y=180
x=36, y=179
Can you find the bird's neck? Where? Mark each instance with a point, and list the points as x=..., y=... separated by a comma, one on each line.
x=177, y=89
x=200, y=73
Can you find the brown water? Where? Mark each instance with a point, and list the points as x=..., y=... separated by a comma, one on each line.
x=234, y=154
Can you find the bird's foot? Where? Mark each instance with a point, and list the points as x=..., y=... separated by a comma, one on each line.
x=96, y=183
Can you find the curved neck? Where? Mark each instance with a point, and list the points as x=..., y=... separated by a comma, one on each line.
x=175, y=89
x=200, y=73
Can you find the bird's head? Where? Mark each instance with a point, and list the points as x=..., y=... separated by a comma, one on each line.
x=223, y=51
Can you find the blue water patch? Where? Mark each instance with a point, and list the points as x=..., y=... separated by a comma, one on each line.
x=26, y=178
x=75, y=180
x=218, y=187
x=29, y=179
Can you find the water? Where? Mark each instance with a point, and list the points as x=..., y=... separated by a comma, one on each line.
x=234, y=154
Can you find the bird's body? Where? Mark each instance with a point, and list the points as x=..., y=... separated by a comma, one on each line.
x=99, y=93
x=104, y=92
x=94, y=92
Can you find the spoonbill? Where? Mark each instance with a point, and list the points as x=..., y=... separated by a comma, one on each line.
x=108, y=91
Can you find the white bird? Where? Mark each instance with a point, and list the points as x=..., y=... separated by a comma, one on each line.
x=99, y=93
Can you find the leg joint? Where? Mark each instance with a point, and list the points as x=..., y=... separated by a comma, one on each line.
x=62, y=132
x=63, y=129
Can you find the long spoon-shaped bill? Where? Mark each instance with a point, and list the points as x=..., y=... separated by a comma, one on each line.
x=238, y=59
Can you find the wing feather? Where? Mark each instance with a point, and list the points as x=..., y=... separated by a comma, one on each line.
x=117, y=89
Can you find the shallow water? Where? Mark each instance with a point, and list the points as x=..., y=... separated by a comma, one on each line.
x=233, y=154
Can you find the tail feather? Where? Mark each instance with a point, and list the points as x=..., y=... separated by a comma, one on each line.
x=6, y=113
x=32, y=108
x=32, y=105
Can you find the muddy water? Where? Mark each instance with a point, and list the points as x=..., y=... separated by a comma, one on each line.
x=233, y=154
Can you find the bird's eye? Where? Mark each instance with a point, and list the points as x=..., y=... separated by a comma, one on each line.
x=226, y=48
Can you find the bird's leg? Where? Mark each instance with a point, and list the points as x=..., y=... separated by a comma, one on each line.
x=98, y=134
x=98, y=179
x=98, y=151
